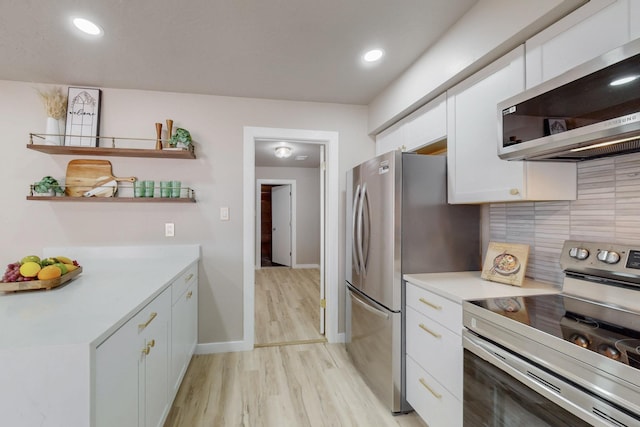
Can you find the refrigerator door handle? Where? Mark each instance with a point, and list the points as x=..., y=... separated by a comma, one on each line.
x=366, y=237
x=354, y=229
x=360, y=230
x=368, y=307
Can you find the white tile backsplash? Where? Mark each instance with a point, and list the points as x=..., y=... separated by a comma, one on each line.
x=607, y=210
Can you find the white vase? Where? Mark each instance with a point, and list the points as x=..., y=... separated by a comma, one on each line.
x=55, y=131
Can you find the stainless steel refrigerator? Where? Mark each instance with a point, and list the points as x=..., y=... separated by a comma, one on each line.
x=399, y=222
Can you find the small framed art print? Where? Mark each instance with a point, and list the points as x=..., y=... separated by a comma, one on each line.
x=83, y=117
x=505, y=263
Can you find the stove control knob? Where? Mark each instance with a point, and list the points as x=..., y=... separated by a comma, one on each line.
x=608, y=351
x=609, y=257
x=580, y=340
x=579, y=253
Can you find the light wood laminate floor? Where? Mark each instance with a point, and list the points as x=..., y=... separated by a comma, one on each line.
x=279, y=386
x=287, y=306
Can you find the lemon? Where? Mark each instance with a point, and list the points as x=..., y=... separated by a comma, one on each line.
x=64, y=260
x=71, y=267
x=30, y=269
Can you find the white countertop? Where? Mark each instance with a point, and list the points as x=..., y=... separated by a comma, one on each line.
x=467, y=285
x=113, y=286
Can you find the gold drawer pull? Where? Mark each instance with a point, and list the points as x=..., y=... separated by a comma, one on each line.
x=424, y=328
x=430, y=304
x=189, y=277
x=144, y=325
x=152, y=343
x=189, y=294
x=146, y=350
x=432, y=391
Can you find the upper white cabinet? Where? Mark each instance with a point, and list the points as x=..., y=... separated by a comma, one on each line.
x=593, y=29
x=475, y=172
x=421, y=128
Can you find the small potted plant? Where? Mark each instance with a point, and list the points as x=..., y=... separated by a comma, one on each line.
x=182, y=136
x=47, y=186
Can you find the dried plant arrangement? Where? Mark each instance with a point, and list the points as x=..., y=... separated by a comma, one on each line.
x=54, y=102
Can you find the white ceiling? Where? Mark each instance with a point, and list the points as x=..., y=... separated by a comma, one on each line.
x=305, y=50
x=265, y=154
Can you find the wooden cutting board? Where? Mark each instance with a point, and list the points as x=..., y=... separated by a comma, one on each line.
x=85, y=174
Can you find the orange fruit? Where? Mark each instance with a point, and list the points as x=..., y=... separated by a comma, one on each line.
x=49, y=272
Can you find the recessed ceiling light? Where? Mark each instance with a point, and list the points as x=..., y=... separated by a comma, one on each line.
x=623, y=80
x=87, y=27
x=373, y=55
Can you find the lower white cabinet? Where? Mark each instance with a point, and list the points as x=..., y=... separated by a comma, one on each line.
x=139, y=368
x=132, y=368
x=434, y=357
x=184, y=328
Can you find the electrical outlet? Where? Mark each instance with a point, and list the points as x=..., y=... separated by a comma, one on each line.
x=169, y=230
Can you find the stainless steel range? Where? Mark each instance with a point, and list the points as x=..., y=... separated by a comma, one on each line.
x=566, y=359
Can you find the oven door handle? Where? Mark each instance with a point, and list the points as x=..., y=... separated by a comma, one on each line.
x=583, y=405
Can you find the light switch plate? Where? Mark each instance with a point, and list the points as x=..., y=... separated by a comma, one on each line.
x=224, y=213
x=169, y=230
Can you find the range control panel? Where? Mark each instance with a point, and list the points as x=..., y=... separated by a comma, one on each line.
x=601, y=259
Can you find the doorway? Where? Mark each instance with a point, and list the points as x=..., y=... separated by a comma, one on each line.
x=275, y=223
x=329, y=242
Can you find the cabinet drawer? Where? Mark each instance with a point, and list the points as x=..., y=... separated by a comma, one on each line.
x=440, y=309
x=436, y=349
x=435, y=405
x=181, y=284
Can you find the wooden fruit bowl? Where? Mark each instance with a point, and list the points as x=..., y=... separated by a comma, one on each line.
x=32, y=285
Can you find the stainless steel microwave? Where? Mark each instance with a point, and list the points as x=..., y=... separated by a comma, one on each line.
x=590, y=111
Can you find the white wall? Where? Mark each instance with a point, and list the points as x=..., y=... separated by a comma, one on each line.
x=216, y=124
x=307, y=208
x=487, y=31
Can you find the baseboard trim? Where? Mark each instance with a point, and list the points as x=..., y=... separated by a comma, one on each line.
x=222, y=347
x=298, y=342
x=307, y=266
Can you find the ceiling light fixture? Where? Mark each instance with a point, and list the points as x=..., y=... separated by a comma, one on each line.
x=373, y=55
x=283, y=152
x=623, y=80
x=88, y=27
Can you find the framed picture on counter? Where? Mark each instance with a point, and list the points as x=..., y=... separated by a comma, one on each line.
x=83, y=117
x=505, y=263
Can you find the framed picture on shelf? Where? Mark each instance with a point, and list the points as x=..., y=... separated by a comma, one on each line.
x=553, y=126
x=83, y=117
x=505, y=263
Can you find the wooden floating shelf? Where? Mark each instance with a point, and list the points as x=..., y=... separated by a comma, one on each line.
x=113, y=199
x=115, y=152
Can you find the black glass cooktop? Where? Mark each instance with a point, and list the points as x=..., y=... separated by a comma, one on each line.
x=609, y=331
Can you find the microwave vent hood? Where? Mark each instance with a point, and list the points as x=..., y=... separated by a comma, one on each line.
x=589, y=112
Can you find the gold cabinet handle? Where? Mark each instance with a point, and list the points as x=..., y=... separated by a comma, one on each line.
x=152, y=343
x=146, y=350
x=189, y=294
x=432, y=391
x=514, y=191
x=189, y=277
x=151, y=317
x=424, y=328
x=430, y=304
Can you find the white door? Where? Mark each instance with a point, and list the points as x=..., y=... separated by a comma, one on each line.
x=281, y=224
x=323, y=303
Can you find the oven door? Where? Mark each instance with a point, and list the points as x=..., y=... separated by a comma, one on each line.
x=503, y=389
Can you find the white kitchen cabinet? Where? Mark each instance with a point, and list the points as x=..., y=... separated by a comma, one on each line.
x=475, y=172
x=132, y=368
x=593, y=29
x=421, y=128
x=184, y=326
x=434, y=357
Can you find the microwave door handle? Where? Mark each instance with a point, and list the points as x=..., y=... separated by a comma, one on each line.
x=360, y=228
